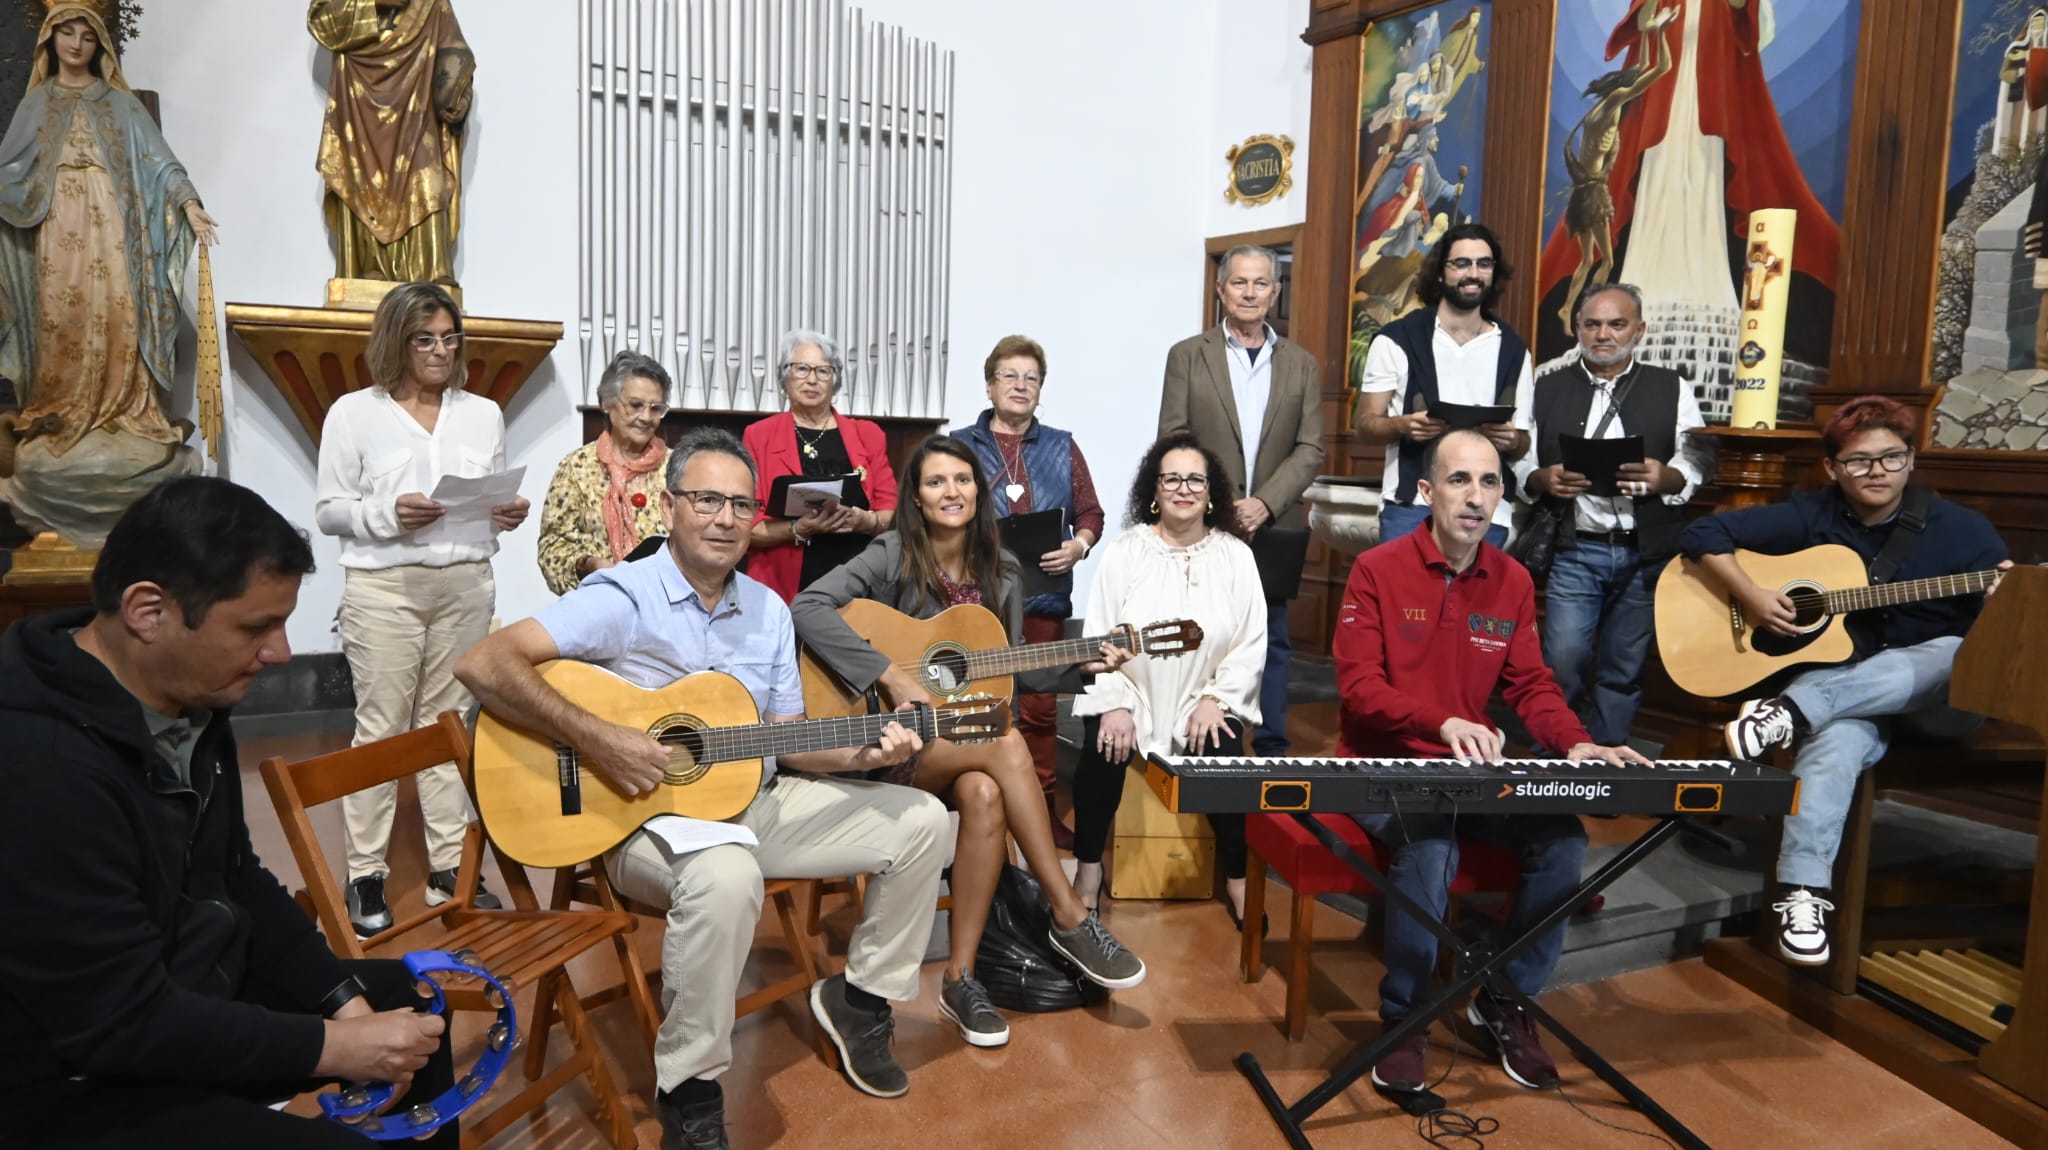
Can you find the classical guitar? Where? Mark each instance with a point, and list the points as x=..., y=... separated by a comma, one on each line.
x=543, y=809
x=1710, y=648
x=964, y=651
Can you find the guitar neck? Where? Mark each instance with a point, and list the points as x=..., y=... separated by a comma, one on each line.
x=1911, y=591
x=760, y=740
x=1036, y=656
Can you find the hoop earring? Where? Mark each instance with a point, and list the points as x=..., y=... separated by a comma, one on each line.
x=1155, y=507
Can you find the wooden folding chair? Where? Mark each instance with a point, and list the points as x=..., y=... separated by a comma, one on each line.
x=522, y=947
x=587, y=883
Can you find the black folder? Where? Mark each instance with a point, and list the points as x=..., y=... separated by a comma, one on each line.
x=1600, y=459
x=1029, y=536
x=1281, y=553
x=1467, y=416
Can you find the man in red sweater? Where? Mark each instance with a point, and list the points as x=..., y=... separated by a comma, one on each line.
x=1431, y=624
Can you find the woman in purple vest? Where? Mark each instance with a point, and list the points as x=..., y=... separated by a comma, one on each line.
x=1032, y=467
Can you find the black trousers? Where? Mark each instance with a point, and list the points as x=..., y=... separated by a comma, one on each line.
x=120, y=1115
x=1099, y=791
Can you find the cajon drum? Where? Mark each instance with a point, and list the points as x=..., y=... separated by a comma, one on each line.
x=1156, y=853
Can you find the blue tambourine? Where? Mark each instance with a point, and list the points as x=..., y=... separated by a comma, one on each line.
x=356, y=1107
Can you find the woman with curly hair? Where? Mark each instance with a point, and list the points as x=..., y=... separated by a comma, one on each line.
x=1179, y=560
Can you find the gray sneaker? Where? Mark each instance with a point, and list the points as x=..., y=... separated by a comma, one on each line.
x=862, y=1037
x=367, y=911
x=1100, y=956
x=966, y=1002
x=441, y=888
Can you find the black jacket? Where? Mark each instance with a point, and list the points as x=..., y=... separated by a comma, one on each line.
x=133, y=914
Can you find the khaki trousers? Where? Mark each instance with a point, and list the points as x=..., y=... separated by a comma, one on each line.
x=810, y=827
x=402, y=629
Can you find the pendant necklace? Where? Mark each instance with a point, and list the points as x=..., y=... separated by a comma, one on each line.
x=1014, y=489
x=810, y=445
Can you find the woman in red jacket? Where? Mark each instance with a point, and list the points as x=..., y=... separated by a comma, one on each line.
x=813, y=440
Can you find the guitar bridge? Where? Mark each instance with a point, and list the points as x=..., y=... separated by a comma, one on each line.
x=570, y=780
x=1735, y=622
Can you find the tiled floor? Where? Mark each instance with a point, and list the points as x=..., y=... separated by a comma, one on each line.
x=1154, y=1067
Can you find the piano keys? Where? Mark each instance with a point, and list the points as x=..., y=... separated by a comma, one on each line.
x=1198, y=784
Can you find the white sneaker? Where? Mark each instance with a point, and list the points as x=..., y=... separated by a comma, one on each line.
x=1802, y=929
x=1759, y=726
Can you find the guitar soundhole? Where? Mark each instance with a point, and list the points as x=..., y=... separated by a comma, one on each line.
x=1809, y=615
x=945, y=670
x=684, y=737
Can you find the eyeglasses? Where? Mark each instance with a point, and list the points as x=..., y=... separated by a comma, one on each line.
x=1171, y=480
x=1465, y=263
x=822, y=372
x=657, y=410
x=710, y=503
x=428, y=341
x=1013, y=377
x=1858, y=466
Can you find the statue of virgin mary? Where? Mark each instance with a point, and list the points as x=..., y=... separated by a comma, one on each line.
x=97, y=225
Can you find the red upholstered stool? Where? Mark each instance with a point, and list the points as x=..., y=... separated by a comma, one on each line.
x=1277, y=841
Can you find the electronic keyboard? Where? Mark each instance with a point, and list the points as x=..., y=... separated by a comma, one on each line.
x=1201, y=784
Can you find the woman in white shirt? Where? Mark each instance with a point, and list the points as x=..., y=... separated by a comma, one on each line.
x=414, y=598
x=1177, y=560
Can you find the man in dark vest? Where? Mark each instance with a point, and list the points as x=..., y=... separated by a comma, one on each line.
x=1453, y=349
x=1602, y=578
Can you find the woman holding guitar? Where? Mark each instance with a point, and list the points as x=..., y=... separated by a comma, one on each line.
x=945, y=551
x=1180, y=559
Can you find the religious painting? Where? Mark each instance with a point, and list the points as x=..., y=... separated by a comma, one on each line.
x=1670, y=122
x=1421, y=136
x=1990, y=330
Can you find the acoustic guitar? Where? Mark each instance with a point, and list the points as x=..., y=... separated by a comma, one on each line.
x=964, y=651
x=1710, y=648
x=545, y=810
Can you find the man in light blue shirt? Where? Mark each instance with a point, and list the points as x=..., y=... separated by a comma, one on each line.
x=652, y=621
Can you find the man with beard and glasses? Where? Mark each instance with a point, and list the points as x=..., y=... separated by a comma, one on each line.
x=1601, y=581
x=1451, y=350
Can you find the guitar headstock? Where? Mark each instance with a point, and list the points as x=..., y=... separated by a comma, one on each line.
x=972, y=718
x=1176, y=637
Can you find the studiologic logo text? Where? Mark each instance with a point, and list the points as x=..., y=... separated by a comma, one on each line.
x=1555, y=789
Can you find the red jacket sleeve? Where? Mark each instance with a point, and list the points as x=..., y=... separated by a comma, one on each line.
x=1360, y=650
x=880, y=483
x=1529, y=687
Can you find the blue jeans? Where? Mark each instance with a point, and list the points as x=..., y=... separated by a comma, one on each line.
x=1849, y=711
x=1425, y=857
x=1269, y=738
x=1398, y=519
x=1604, y=589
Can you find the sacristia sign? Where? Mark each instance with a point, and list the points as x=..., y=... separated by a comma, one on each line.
x=1261, y=170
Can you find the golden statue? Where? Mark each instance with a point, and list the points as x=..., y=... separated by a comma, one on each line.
x=98, y=222
x=390, y=152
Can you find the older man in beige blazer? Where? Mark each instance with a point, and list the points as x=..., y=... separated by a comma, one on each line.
x=1255, y=400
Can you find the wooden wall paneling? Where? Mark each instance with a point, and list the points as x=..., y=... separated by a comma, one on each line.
x=1521, y=47
x=1891, y=214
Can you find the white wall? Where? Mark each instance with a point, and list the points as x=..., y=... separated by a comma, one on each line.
x=1089, y=168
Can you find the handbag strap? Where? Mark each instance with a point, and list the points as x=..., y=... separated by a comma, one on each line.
x=1614, y=404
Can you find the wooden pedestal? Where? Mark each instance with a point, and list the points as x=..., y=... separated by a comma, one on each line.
x=1156, y=853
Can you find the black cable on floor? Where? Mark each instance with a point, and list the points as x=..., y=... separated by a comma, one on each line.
x=1599, y=1121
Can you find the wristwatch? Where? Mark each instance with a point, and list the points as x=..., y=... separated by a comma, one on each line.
x=344, y=992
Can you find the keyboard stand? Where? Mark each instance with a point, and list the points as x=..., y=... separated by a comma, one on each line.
x=1476, y=964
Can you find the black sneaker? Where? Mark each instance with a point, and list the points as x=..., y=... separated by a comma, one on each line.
x=966, y=1002
x=1759, y=726
x=441, y=888
x=693, y=1125
x=1100, y=956
x=1513, y=1035
x=862, y=1037
x=367, y=911
x=1803, y=926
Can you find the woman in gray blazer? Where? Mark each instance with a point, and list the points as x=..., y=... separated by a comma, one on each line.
x=945, y=551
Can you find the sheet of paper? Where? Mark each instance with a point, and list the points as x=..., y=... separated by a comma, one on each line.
x=466, y=504
x=808, y=496
x=687, y=835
